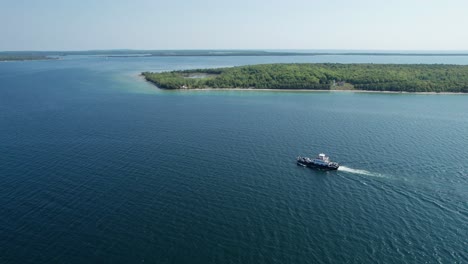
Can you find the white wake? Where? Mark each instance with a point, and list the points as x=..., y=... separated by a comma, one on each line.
x=357, y=171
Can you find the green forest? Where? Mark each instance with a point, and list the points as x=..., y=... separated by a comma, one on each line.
x=327, y=76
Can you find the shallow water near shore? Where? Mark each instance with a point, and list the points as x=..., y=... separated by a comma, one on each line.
x=98, y=165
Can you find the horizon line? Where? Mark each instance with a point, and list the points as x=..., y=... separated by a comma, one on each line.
x=247, y=49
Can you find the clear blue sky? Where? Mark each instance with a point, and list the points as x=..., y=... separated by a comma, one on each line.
x=235, y=24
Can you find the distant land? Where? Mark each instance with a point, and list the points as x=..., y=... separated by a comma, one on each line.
x=4, y=57
x=169, y=53
x=321, y=76
x=276, y=53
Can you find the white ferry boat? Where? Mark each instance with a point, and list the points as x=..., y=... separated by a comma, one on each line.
x=321, y=162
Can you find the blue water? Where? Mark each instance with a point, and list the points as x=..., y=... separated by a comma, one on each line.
x=98, y=166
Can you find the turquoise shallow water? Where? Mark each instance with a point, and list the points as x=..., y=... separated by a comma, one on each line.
x=99, y=166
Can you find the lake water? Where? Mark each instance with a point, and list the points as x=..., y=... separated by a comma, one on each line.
x=98, y=166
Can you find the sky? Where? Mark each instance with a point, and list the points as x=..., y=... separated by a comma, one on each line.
x=234, y=24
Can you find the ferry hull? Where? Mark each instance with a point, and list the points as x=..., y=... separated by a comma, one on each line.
x=315, y=166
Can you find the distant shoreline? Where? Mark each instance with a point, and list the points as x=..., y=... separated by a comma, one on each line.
x=227, y=53
x=282, y=54
x=307, y=90
x=32, y=58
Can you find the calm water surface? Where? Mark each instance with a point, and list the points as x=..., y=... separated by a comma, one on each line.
x=98, y=166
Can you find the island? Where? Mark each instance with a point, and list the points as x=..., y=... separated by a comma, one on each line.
x=24, y=57
x=321, y=76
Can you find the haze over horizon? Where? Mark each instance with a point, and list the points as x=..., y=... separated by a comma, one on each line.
x=259, y=24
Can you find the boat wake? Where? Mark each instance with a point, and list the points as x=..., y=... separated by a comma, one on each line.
x=356, y=171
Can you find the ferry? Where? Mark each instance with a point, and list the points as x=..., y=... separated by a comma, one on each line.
x=320, y=162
